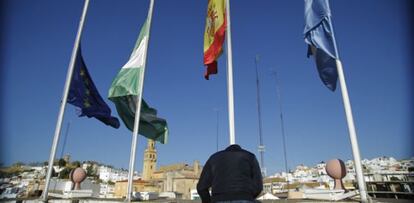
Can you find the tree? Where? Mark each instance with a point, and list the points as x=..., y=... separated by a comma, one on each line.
x=110, y=182
x=61, y=163
x=90, y=171
x=394, y=179
x=18, y=164
x=76, y=164
x=64, y=174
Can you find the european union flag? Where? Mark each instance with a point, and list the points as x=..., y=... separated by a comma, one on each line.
x=321, y=41
x=83, y=94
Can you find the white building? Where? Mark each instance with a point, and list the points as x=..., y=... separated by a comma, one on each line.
x=321, y=168
x=107, y=190
x=194, y=195
x=283, y=175
x=407, y=164
x=304, y=174
x=110, y=174
x=380, y=164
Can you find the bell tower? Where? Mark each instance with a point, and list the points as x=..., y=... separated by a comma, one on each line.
x=150, y=160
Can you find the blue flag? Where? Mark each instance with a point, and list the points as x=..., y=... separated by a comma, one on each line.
x=321, y=41
x=83, y=94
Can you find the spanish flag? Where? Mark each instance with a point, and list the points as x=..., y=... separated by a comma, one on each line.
x=214, y=34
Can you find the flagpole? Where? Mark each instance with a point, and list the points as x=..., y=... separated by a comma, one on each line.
x=63, y=101
x=138, y=111
x=230, y=77
x=351, y=126
x=352, y=133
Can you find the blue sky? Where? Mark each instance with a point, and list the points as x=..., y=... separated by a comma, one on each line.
x=374, y=44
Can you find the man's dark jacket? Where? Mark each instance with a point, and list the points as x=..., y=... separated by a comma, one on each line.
x=232, y=174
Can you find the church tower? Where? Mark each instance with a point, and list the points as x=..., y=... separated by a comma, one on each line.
x=150, y=160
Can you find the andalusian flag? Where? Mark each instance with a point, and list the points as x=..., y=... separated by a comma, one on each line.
x=124, y=92
x=214, y=34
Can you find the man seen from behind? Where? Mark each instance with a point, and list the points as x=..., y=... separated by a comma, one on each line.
x=233, y=175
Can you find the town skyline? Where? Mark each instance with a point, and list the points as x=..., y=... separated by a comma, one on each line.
x=388, y=160
x=139, y=170
x=110, y=182
x=374, y=47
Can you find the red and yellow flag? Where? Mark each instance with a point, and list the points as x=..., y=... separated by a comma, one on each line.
x=214, y=34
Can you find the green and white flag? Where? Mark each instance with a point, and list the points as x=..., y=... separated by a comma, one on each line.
x=125, y=89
